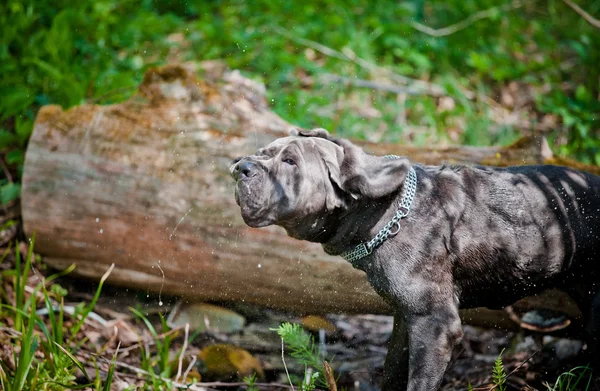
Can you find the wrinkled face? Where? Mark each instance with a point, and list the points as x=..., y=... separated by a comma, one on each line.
x=287, y=180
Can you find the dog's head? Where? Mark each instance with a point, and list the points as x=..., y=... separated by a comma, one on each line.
x=298, y=179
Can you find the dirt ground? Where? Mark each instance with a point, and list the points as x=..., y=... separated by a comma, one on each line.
x=357, y=343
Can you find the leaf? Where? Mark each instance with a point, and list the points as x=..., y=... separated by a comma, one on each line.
x=14, y=100
x=50, y=70
x=582, y=94
x=23, y=129
x=15, y=157
x=7, y=139
x=228, y=361
x=9, y=193
x=479, y=61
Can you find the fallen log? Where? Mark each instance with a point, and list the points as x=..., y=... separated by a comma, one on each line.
x=144, y=184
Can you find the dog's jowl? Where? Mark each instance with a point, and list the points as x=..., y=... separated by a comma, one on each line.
x=431, y=239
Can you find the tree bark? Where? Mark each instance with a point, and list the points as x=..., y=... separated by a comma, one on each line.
x=145, y=184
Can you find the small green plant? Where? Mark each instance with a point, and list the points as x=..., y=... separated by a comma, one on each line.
x=44, y=360
x=158, y=366
x=499, y=374
x=251, y=382
x=24, y=361
x=304, y=351
x=569, y=381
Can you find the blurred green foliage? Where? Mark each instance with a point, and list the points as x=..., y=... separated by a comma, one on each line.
x=69, y=53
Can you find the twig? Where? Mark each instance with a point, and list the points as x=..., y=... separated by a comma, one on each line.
x=6, y=170
x=190, y=366
x=182, y=354
x=350, y=56
x=453, y=28
x=105, y=275
x=201, y=386
x=589, y=18
x=152, y=342
x=285, y=366
x=238, y=384
x=68, y=309
x=329, y=78
x=10, y=330
x=146, y=373
x=109, y=94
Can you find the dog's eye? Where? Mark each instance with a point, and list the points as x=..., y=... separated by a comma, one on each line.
x=289, y=161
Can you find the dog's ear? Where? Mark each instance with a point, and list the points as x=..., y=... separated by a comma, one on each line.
x=316, y=132
x=332, y=156
x=357, y=173
x=367, y=176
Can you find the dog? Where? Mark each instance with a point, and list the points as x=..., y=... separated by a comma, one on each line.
x=431, y=239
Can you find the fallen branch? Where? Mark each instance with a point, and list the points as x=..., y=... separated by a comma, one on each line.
x=348, y=55
x=449, y=30
x=589, y=18
x=329, y=78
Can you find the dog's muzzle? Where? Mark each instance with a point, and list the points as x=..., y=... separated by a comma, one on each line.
x=243, y=169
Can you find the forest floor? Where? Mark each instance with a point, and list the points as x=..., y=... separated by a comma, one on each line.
x=137, y=340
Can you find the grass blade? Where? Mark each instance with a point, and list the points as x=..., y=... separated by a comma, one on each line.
x=90, y=307
x=6, y=252
x=29, y=345
x=111, y=370
x=75, y=361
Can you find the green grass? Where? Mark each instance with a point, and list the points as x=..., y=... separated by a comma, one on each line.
x=69, y=53
x=44, y=351
x=570, y=381
x=159, y=365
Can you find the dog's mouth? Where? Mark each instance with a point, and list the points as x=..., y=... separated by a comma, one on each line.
x=250, y=196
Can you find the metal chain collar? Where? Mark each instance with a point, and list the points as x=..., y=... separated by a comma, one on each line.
x=408, y=194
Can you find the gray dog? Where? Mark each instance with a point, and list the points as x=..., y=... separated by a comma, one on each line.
x=431, y=239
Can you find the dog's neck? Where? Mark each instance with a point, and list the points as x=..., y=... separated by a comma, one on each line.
x=358, y=224
x=316, y=228
x=340, y=230
x=345, y=228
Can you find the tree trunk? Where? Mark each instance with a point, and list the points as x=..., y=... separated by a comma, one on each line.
x=145, y=184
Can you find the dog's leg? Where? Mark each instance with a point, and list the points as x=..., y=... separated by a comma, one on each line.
x=431, y=340
x=395, y=374
x=590, y=309
x=593, y=332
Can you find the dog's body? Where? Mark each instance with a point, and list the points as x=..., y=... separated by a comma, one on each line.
x=474, y=236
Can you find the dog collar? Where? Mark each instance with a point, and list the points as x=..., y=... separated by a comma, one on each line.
x=408, y=194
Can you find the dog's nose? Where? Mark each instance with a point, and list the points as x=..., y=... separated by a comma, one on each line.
x=244, y=168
